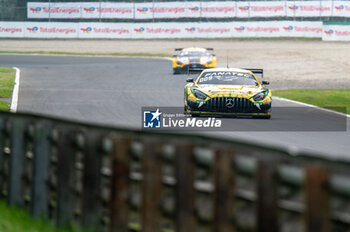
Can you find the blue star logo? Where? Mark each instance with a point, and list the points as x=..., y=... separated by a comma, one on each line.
x=152, y=119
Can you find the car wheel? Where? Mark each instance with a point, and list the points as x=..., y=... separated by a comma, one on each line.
x=195, y=115
x=176, y=71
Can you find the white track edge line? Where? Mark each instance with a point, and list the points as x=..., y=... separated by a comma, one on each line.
x=312, y=106
x=14, y=99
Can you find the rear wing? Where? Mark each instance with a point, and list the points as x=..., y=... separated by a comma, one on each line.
x=256, y=71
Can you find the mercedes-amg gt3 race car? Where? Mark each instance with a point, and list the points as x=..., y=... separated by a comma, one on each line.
x=228, y=91
x=193, y=58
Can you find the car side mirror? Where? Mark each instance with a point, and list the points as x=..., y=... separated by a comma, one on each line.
x=189, y=80
x=265, y=82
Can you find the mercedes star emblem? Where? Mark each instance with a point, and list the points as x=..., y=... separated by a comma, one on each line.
x=229, y=102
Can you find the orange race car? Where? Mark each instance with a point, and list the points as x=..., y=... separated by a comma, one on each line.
x=193, y=58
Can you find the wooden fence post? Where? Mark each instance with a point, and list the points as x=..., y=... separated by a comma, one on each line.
x=151, y=187
x=267, y=196
x=17, y=161
x=224, y=195
x=120, y=184
x=41, y=163
x=184, y=191
x=92, y=181
x=66, y=177
x=317, y=199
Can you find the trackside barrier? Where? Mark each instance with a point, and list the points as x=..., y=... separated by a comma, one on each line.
x=86, y=30
x=187, y=9
x=335, y=31
x=112, y=179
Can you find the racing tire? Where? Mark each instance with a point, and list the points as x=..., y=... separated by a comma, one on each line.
x=195, y=115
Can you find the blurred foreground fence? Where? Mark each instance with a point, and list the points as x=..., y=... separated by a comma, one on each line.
x=110, y=179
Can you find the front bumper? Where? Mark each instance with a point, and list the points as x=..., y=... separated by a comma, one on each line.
x=228, y=106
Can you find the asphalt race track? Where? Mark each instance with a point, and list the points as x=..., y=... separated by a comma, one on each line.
x=112, y=90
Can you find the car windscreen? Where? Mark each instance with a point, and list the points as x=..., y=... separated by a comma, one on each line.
x=193, y=54
x=227, y=78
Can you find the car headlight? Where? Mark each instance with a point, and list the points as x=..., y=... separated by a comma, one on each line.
x=199, y=94
x=260, y=96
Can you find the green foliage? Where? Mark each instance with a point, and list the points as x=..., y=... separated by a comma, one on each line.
x=18, y=220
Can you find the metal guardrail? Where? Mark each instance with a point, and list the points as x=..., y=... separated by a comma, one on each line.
x=112, y=179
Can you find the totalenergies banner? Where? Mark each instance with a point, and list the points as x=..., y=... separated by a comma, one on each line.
x=261, y=9
x=310, y=9
x=160, y=30
x=49, y=30
x=188, y=9
x=336, y=32
x=89, y=10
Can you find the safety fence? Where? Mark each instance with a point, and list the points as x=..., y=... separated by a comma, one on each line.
x=173, y=11
x=188, y=9
x=328, y=31
x=161, y=30
x=110, y=179
x=335, y=31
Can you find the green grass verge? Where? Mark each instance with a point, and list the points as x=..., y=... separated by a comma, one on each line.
x=7, y=82
x=13, y=219
x=18, y=220
x=87, y=53
x=334, y=99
